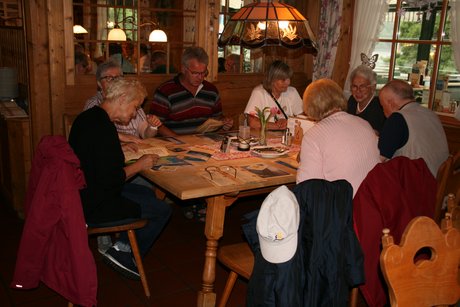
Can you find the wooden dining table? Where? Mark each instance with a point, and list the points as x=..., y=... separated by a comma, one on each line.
x=220, y=179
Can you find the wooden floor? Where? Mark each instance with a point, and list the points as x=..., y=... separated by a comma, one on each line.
x=173, y=266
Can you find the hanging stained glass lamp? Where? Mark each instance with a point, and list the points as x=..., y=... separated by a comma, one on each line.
x=271, y=23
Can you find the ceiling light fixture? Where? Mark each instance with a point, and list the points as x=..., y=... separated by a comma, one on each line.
x=269, y=23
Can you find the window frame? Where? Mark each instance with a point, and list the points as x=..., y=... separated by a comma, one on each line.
x=437, y=42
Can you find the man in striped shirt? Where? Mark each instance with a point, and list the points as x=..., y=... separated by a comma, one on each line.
x=187, y=101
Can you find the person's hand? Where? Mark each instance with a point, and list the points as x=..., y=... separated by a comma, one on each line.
x=153, y=120
x=147, y=161
x=228, y=123
x=129, y=147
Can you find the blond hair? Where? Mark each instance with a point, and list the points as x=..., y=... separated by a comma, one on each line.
x=277, y=70
x=126, y=90
x=321, y=98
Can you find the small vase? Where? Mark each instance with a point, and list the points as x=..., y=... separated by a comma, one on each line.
x=262, y=134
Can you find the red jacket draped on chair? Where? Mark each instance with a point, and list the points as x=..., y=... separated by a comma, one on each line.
x=391, y=195
x=54, y=245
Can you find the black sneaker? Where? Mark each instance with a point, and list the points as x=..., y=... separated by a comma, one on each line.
x=122, y=262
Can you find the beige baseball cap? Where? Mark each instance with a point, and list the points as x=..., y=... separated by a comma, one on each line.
x=277, y=225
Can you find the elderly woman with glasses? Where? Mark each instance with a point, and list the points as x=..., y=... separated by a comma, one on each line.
x=362, y=101
x=339, y=145
x=187, y=101
x=140, y=126
x=275, y=92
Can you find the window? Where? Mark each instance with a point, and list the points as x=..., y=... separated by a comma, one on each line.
x=137, y=19
x=415, y=45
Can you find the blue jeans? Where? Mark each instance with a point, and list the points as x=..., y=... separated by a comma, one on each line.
x=152, y=209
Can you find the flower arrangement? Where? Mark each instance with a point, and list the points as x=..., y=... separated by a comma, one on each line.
x=264, y=116
x=266, y=113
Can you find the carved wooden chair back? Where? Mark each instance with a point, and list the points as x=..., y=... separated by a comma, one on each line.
x=423, y=268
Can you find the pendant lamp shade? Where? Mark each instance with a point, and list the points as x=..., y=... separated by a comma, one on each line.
x=271, y=23
x=78, y=29
x=116, y=34
x=158, y=36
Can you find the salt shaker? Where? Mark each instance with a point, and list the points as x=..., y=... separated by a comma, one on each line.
x=287, y=138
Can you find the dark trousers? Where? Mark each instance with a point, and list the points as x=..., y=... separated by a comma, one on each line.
x=153, y=209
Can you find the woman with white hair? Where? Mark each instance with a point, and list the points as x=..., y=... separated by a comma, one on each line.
x=107, y=196
x=362, y=101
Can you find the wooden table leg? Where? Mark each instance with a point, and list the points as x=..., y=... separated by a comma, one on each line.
x=215, y=216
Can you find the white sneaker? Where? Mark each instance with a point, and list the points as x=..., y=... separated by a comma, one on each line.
x=123, y=247
x=104, y=243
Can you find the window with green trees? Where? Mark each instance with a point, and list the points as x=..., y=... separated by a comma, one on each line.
x=415, y=45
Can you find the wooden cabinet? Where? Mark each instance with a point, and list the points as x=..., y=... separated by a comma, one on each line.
x=15, y=161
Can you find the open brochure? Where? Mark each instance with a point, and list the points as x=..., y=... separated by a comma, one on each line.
x=158, y=150
x=210, y=125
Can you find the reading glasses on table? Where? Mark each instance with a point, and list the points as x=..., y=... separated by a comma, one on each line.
x=224, y=169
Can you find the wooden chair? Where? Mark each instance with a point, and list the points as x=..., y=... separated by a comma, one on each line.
x=240, y=260
x=453, y=208
x=453, y=180
x=129, y=227
x=412, y=280
x=442, y=177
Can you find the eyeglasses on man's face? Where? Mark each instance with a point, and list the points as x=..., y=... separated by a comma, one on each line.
x=111, y=78
x=198, y=73
x=360, y=88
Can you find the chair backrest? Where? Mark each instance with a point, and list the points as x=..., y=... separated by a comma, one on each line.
x=414, y=279
x=391, y=195
x=68, y=120
x=444, y=172
x=453, y=209
x=453, y=180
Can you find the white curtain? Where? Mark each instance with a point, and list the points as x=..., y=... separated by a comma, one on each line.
x=455, y=30
x=101, y=28
x=368, y=19
x=328, y=38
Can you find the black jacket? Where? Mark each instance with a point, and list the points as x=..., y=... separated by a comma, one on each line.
x=328, y=261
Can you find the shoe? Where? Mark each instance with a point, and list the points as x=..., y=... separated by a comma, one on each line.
x=122, y=246
x=196, y=211
x=201, y=215
x=104, y=243
x=122, y=262
x=189, y=212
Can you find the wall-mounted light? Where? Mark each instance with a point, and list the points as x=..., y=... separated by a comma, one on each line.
x=78, y=29
x=268, y=23
x=117, y=34
x=158, y=36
